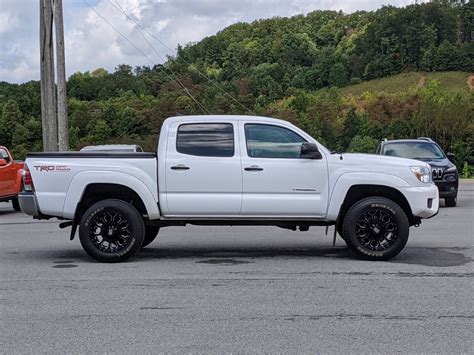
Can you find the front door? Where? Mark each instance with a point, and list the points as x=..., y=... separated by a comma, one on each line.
x=276, y=180
x=203, y=170
x=7, y=175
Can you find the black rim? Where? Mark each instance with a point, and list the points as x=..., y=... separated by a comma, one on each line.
x=377, y=230
x=110, y=232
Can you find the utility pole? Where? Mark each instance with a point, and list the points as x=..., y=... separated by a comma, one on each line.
x=54, y=118
x=48, y=102
x=61, y=77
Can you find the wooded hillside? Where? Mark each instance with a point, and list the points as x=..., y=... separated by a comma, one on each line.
x=320, y=71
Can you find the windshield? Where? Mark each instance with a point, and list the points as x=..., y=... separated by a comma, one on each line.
x=414, y=150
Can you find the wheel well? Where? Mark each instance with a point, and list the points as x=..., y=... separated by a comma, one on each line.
x=97, y=192
x=358, y=192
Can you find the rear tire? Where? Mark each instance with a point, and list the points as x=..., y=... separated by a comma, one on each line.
x=451, y=202
x=111, y=231
x=376, y=228
x=150, y=234
x=16, y=205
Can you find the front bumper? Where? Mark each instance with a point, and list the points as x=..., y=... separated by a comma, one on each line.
x=423, y=200
x=447, y=189
x=28, y=203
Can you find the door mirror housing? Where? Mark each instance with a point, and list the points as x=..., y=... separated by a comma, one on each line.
x=3, y=162
x=450, y=156
x=310, y=151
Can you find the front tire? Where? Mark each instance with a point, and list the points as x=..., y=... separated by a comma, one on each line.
x=451, y=202
x=111, y=231
x=376, y=228
x=16, y=204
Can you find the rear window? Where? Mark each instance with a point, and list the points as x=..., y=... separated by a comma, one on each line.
x=206, y=139
x=413, y=150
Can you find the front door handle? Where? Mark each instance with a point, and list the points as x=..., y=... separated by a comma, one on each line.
x=180, y=167
x=253, y=168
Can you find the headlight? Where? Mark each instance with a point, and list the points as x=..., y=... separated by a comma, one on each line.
x=451, y=170
x=422, y=173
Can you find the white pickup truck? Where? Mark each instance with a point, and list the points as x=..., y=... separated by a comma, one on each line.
x=229, y=170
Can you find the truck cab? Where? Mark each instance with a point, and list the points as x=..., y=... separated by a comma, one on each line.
x=234, y=167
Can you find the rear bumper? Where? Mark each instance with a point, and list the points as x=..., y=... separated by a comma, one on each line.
x=28, y=203
x=423, y=200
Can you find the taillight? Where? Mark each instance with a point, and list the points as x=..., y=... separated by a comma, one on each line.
x=27, y=180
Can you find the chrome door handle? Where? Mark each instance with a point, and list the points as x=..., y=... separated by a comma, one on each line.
x=253, y=168
x=180, y=167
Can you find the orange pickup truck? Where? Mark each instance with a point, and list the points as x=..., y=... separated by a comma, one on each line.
x=10, y=178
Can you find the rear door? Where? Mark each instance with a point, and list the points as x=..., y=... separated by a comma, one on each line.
x=277, y=182
x=203, y=170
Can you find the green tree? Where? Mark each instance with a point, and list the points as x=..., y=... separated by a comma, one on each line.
x=20, y=139
x=338, y=75
x=362, y=144
x=100, y=133
x=11, y=116
x=447, y=57
x=429, y=58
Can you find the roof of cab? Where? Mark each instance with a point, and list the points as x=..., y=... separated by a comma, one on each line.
x=407, y=141
x=227, y=118
x=106, y=147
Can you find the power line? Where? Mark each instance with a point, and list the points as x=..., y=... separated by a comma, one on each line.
x=139, y=28
x=203, y=109
x=158, y=54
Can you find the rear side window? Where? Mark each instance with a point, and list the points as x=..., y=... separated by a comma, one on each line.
x=206, y=139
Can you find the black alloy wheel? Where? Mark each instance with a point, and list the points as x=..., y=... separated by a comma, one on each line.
x=111, y=230
x=376, y=228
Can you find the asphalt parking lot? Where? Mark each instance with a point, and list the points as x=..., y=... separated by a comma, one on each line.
x=238, y=289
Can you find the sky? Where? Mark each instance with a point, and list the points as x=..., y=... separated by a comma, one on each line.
x=91, y=43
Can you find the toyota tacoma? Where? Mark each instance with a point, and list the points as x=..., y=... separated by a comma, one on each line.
x=229, y=170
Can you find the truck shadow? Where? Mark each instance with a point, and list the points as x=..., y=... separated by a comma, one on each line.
x=436, y=257
x=227, y=256
x=241, y=252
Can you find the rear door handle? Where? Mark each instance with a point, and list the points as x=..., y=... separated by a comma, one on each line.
x=253, y=168
x=180, y=167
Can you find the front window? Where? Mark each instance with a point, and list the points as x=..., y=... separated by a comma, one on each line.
x=414, y=150
x=268, y=141
x=206, y=139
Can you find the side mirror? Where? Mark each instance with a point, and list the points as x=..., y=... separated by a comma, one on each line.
x=450, y=156
x=3, y=162
x=310, y=151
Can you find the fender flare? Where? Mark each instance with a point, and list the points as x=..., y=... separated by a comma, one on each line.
x=346, y=181
x=83, y=179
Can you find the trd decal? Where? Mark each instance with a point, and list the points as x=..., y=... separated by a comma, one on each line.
x=52, y=168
